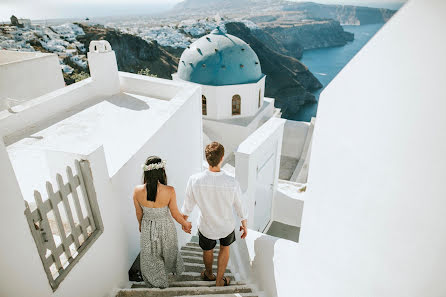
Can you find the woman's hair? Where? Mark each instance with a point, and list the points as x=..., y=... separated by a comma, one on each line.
x=152, y=177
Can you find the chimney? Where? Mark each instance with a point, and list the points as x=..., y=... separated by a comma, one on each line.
x=103, y=67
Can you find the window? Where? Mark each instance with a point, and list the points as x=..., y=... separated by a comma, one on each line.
x=204, y=110
x=260, y=96
x=65, y=224
x=236, y=104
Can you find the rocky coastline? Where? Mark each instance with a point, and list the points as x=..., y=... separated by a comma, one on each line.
x=296, y=38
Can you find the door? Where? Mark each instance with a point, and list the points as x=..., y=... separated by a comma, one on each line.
x=264, y=193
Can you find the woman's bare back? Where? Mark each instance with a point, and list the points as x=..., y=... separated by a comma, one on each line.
x=162, y=199
x=165, y=196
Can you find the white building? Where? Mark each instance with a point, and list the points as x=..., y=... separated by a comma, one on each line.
x=234, y=107
x=115, y=121
x=233, y=88
x=373, y=222
x=25, y=76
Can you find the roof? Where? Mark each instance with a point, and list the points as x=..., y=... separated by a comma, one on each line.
x=219, y=59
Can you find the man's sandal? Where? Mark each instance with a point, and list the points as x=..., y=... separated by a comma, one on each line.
x=226, y=281
x=206, y=278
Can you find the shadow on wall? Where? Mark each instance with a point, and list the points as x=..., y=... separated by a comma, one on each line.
x=263, y=263
x=129, y=102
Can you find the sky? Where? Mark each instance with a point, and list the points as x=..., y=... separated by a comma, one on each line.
x=51, y=9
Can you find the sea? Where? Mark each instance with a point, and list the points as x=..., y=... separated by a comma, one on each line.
x=326, y=63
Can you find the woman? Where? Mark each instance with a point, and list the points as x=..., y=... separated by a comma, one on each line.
x=159, y=245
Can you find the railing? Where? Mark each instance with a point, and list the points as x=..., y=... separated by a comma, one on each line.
x=66, y=224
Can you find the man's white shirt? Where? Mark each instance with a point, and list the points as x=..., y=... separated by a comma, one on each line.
x=216, y=194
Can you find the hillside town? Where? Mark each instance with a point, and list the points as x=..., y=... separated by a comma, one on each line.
x=61, y=39
x=22, y=35
x=178, y=35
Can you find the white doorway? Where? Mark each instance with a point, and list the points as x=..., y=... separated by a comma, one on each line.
x=264, y=193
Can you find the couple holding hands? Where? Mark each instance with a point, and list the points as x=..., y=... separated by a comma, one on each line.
x=214, y=192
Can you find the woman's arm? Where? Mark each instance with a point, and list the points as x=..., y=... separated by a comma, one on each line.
x=176, y=214
x=138, y=210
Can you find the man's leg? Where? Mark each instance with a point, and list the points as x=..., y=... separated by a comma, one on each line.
x=223, y=258
x=208, y=260
x=207, y=245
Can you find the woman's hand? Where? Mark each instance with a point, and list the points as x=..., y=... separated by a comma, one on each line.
x=187, y=227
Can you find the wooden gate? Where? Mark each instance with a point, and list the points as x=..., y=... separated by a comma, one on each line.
x=65, y=224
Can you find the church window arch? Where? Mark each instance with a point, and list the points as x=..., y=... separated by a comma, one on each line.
x=204, y=109
x=236, y=104
x=260, y=97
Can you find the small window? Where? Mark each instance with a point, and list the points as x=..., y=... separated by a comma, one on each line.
x=260, y=96
x=236, y=104
x=204, y=109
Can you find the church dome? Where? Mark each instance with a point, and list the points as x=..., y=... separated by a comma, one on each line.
x=219, y=59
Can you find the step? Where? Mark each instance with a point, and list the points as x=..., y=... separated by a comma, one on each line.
x=194, y=283
x=183, y=291
x=195, y=244
x=195, y=253
x=196, y=260
x=225, y=295
x=197, y=249
x=191, y=276
x=193, y=267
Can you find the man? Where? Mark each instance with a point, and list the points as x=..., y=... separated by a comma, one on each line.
x=216, y=194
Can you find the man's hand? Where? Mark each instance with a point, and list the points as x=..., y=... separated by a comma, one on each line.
x=244, y=228
x=187, y=227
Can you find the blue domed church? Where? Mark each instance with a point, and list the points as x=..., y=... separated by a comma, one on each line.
x=229, y=72
x=233, y=87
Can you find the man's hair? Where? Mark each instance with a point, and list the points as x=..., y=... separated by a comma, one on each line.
x=214, y=152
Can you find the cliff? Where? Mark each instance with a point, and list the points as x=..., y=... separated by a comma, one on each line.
x=303, y=36
x=345, y=14
x=288, y=80
x=132, y=52
x=297, y=11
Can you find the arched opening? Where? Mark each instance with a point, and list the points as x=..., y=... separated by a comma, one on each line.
x=236, y=104
x=204, y=109
x=260, y=96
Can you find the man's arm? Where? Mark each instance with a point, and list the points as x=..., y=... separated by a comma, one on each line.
x=244, y=228
x=189, y=201
x=241, y=211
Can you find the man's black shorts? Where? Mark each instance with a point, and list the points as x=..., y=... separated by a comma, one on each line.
x=208, y=244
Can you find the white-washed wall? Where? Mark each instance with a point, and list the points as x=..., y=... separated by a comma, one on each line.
x=18, y=253
x=24, y=76
x=374, y=222
x=251, y=153
x=230, y=134
x=90, y=276
x=272, y=262
x=288, y=208
x=179, y=142
x=294, y=135
x=219, y=99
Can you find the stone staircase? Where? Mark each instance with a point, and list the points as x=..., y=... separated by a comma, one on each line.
x=190, y=282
